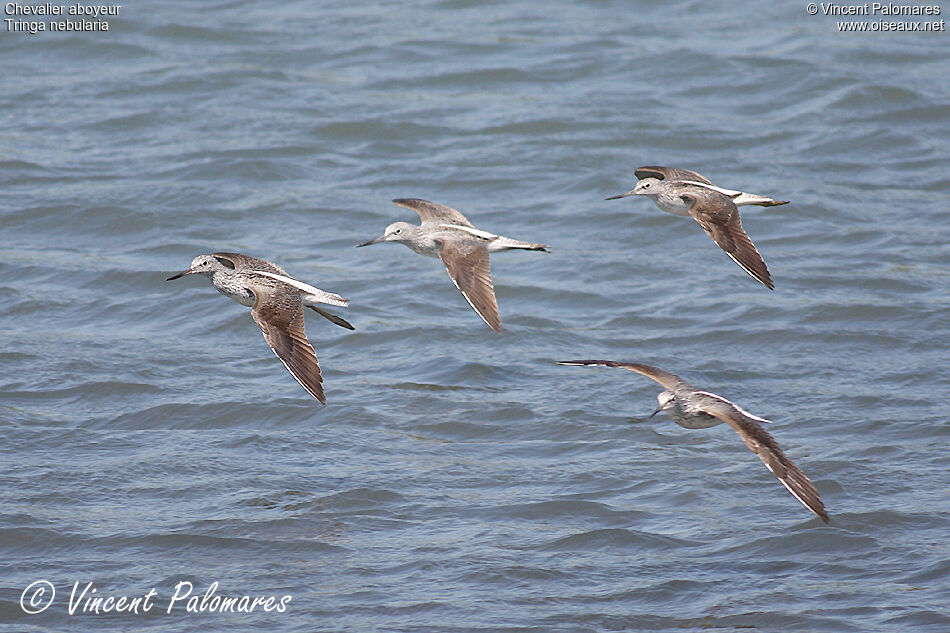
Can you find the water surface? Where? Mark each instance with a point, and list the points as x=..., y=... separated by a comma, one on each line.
x=458, y=480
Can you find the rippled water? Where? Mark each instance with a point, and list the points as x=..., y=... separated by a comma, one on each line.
x=458, y=480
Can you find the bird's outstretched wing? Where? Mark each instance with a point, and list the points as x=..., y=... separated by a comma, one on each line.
x=669, y=173
x=665, y=378
x=719, y=217
x=466, y=261
x=433, y=211
x=237, y=261
x=280, y=317
x=764, y=445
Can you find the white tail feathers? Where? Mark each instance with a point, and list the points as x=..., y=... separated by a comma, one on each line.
x=751, y=198
x=328, y=298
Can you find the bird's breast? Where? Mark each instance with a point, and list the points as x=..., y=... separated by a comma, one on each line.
x=429, y=250
x=237, y=291
x=697, y=421
x=673, y=204
x=690, y=418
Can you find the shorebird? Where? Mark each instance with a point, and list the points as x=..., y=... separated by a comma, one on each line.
x=447, y=234
x=656, y=181
x=693, y=408
x=686, y=193
x=278, y=301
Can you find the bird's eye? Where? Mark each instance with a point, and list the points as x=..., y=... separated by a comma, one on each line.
x=646, y=186
x=397, y=231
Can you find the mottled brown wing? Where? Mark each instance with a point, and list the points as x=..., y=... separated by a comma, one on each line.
x=665, y=378
x=719, y=217
x=669, y=173
x=764, y=445
x=467, y=263
x=246, y=262
x=280, y=317
x=433, y=211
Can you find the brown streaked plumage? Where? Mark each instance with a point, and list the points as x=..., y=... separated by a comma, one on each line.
x=277, y=301
x=687, y=193
x=246, y=262
x=466, y=261
x=692, y=408
x=280, y=317
x=447, y=234
x=659, y=178
x=719, y=217
x=715, y=211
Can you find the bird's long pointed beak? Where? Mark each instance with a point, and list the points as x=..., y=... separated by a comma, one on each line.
x=371, y=242
x=180, y=275
x=658, y=409
x=623, y=195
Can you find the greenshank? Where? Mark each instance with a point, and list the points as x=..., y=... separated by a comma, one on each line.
x=277, y=301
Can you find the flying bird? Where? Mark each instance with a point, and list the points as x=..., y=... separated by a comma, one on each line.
x=686, y=193
x=277, y=301
x=447, y=234
x=693, y=408
x=655, y=181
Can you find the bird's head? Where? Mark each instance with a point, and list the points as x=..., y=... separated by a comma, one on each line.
x=202, y=265
x=395, y=232
x=645, y=187
x=665, y=399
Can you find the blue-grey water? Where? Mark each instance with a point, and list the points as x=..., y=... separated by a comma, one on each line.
x=458, y=480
